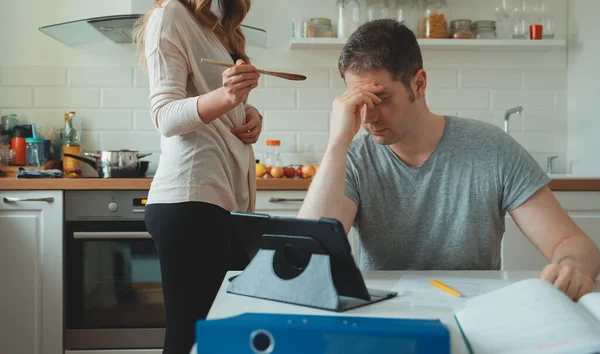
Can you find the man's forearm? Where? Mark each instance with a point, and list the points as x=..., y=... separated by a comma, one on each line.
x=325, y=196
x=578, y=252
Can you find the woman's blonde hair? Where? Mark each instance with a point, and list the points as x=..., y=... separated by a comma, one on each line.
x=227, y=28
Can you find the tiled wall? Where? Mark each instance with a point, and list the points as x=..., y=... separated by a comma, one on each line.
x=41, y=78
x=112, y=104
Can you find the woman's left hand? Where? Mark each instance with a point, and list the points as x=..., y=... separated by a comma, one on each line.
x=249, y=132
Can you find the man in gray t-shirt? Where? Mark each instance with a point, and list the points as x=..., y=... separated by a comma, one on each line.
x=431, y=192
x=447, y=213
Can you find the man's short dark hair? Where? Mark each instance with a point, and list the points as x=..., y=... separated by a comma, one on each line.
x=382, y=45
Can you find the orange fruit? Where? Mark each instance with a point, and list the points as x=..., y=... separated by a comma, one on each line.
x=261, y=170
x=308, y=171
x=276, y=172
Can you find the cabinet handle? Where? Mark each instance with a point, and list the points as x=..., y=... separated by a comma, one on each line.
x=110, y=235
x=281, y=200
x=8, y=200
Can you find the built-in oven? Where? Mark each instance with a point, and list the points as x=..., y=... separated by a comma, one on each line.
x=113, y=293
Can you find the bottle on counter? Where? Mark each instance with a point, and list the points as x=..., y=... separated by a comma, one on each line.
x=18, y=146
x=272, y=160
x=71, y=144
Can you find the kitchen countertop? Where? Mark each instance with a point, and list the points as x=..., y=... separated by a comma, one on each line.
x=12, y=183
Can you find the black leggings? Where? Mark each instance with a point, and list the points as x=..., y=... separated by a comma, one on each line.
x=196, y=245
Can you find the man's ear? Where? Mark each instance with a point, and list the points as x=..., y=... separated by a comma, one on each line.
x=420, y=84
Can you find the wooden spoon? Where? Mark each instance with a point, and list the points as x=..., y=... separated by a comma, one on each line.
x=287, y=76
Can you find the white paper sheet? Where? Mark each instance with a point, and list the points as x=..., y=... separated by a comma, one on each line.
x=530, y=316
x=419, y=292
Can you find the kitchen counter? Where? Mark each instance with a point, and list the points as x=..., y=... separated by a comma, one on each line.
x=12, y=183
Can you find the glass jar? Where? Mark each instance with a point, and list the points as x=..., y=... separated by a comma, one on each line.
x=407, y=12
x=5, y=155
x=273, y=154
x=379, y=9
x=36, y=155
x=319, y=28
x=349, y=17
x=484, y=29
x=434, y=22
x=461, y=29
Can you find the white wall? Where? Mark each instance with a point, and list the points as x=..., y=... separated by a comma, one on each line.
x=584, y=87
x=41, y=78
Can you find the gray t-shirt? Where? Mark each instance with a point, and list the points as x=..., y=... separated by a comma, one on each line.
x=447, y=214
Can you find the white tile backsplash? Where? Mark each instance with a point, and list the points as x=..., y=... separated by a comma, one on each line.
x=288, y=142
x=336, y=79
x=545, y=80
x=282, y=121
x=91, y=141
x=530, y=100
x=560, y=100
x=317, y=98
x=545, y=121
x=140, y=78
x=496, y=118
x=535, y=142
x=72, y=98
x=490, y=78
x=442, y=78
x=105, y=120
x=264, y=98
x=100, y=77
x=112, y=103
x=125, y=98
x=142, y=120
x=15, y=97
x=309, y=141
x=33, y=76
x=142, y=141
x=454, y=99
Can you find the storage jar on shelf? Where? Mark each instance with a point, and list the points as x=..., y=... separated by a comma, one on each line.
x=407, y=11
x=461, y=29
x=434, y=22
x=484, y=29
x=349, y=17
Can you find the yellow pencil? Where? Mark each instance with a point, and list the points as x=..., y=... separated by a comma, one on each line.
x=438, y=284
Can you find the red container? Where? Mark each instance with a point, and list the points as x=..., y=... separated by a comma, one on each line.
x=19, y=149
x=535, y=31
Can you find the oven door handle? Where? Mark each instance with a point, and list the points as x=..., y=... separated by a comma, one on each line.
x=8, y=200
x=111, y=235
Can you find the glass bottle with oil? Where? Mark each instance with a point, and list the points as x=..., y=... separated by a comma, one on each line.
x=71, y=144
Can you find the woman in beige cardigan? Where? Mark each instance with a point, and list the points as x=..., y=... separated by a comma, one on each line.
x=206, y=168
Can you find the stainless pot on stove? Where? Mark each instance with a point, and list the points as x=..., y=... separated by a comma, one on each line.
x=115, y=163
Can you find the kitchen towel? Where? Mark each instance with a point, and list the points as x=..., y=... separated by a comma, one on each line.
x=33, y=173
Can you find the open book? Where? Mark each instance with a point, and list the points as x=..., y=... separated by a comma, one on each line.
x=530, y=316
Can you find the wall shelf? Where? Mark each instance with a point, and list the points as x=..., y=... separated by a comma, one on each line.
x=445, y=44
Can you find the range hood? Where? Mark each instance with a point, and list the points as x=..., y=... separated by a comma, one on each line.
x=118, y=28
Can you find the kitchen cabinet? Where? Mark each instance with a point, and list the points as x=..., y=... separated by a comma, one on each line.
x=519, y=254
x=31, y=259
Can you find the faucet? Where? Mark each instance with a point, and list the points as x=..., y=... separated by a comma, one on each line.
x=549, y=160
x=508, y=113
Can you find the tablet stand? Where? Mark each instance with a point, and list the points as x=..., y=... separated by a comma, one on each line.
x=312, y=287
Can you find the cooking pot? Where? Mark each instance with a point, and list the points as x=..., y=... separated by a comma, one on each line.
x=114, y=163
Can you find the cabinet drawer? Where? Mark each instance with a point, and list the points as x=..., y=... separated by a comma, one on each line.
x=279, y=200
x=579, y=201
